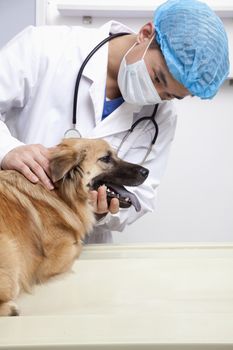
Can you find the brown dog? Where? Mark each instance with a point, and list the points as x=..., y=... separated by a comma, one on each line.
x=41, y=231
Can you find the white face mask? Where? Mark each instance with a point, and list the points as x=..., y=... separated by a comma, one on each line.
x=135, y=83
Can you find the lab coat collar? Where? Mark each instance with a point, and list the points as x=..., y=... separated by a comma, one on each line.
x=92, y=71
x=118, y=121
x=96, y=71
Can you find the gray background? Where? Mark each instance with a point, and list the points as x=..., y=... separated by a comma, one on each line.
x=15, y=15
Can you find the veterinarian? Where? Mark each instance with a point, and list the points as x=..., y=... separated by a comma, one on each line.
x=183, y=52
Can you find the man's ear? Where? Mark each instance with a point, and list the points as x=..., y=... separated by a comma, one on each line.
x=146, y=32
x=64, y=160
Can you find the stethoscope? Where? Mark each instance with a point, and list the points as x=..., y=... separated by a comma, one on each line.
x=74, y=132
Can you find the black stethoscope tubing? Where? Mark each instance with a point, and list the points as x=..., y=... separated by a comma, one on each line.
x=80, y=72
x=152, y=119
x=76, y=90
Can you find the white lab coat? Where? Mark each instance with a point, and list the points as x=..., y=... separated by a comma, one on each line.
x=38, y=69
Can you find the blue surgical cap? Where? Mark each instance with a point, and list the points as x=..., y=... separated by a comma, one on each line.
x=194, y=44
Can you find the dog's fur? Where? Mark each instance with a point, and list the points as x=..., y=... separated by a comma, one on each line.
x=41, y=231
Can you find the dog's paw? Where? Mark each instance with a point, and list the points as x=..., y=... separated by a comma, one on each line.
x=9, y=309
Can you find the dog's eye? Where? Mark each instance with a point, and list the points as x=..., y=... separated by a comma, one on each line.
x=105, y=159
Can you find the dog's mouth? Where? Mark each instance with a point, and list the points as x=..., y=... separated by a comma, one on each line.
x=125, y=197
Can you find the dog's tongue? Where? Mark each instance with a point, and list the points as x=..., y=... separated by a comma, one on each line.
x=124, y=193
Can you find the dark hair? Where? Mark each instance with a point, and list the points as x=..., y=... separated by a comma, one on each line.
x=154, y=45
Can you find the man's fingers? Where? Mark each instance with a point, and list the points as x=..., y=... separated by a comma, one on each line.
x=102, y=200
x=100, y=203
x=43, y=162
x=114, y=206
x=40, y=173
x=93, y=199
x=30, y=160
x=26, y=171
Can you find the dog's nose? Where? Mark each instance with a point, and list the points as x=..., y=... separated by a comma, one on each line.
x=144, y=172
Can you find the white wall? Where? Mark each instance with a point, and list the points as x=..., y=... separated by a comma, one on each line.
x=196, y=194
x=15, y=15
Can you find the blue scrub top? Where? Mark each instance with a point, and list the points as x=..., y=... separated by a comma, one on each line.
x=111, y=105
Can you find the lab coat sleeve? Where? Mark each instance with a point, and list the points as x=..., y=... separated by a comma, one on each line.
x=156, y=163
x=19, y=67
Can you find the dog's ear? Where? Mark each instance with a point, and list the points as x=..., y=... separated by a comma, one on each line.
x=63, y=160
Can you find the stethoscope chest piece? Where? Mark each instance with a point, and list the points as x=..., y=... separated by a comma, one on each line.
x=72, y=133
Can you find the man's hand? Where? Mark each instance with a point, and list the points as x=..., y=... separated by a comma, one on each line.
x=100, y=204
x=31, y=161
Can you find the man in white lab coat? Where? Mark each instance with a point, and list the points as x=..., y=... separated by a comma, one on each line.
x=122, y=82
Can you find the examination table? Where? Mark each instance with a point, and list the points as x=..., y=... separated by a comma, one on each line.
x=157, y=296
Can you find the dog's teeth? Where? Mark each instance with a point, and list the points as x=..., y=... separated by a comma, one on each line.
x=127, y=199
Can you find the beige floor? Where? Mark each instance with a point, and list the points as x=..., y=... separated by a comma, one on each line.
x=145, y=295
